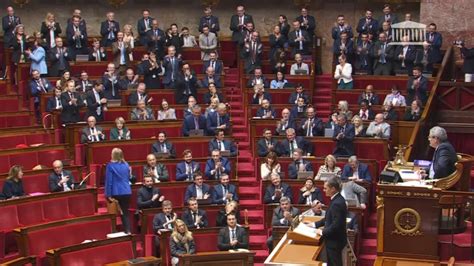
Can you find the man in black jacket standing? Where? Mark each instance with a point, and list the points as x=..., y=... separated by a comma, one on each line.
x=468, y=56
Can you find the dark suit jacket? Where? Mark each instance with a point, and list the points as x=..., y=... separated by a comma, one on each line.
x=141, y=28
x=188, y=124
x=444, y=160
x=156, y=148
x=86, y=133
x=70, y=113
x=228, y=145
x=9, y=27
x=70, y=33
x=133, y=98
x=159, y=220
x=262, y=148
x=317, y=128
x=84, y=86
x=54, y=179
x=181, y=174
x=266, y=95
x=334, y=222
x=293, y=169
x=336, y=32
x=211, y=123
x=234, y=26
x=336, y=49
x=212, y=22
x=210, y=165
x=51, y=105
x=208, y=96
x=55, y=68
x=216, y=79
x=389, y=53
x=310, y=27
x=251, y=82
x=278, y=215
x=150, y=77
x=363, y=56
x=294, y=96
x=218, y=193
x=158, y=46
x=111, y=87
x=409, y=59
x=105, y=30
x=144, y=196
x=261, y=112
x=436, y=45
x=218, y=67
x=300, y=141
x=187, y=218
x=191, y=191
x=373, y=100
x=35, y=88
x=223, y=239
x=468, y=54
x=372, y=26
x=315, y=195
x=270, y=190
x=161, y=171
x=92, y=105
x=363, y=171
x=296, y=45
x=125, y=84
x=421, y=93
x=45, y=32
x=117, y=54
x=344, y=146
x=170, y=68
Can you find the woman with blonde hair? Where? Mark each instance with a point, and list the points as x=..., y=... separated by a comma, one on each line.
x=212, y=106
x=120, y=131
x=128, y=38
x=181, y=241
x=358, y=126
x=231, y=207
x=270, y=166
x=50, y=29
x=328, y=167
x=13, y=186
x=343, y=109
x=117, y=185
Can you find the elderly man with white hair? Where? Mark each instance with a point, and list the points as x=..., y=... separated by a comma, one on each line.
x=444, y=156
x=60, y=179
x=379, y=128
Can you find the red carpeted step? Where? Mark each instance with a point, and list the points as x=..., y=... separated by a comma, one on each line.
x=256, y=240
x=366, y=259
x=260, y=256
x=369, y=246
x=249, y=190
x=246, y=167
x=243, y=152
x=373, y=220
x=370, y=232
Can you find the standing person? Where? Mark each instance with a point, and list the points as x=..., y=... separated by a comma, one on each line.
x=209, y=20
x=50, y=30
x=117, y=185
x=468, y=65
x=9, y=23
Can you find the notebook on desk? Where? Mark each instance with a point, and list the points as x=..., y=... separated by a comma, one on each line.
x=305, y=174
x=114, y=102
x=326, y=176
x=196, y=133
x=225, y=153
x=82, y=58
x=301, y=72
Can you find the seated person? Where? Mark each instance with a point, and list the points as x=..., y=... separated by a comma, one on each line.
x=185, y=170
x=365, y=113
x=413, y=113
x=329, y=166
x=139, y=95
x=312, y=126
x=218, y=120
x=444, y=158
x=163, y=147
x=283, y=215
x=211, y=77
x=198, y=189
x=189, y=108
x=231, y=207
x=92, y=133
x=351, y=191
x=60, y=179
x=355, y=170
x=270, y=166
x=298, y=93
x=129, y=81
x=343, y=109
x=298, y=110
x=315, y=210
x=378, y=128
x=343, y=134
x=299, y=67
x=225, y=191
x=212, y=93
x=193, y=216
x=389, y=113
x=142, y=112
x=212, y=107
x=279, y=82
x=196, y=121
x=120, y=131
x=163, y=221
x=221, y=144
x=267, y=144
x=292, y=142
x=217, y=166
x=332, y=122
x=54, y=102
x=257, y=79
x=298, y=165
x=232, y=236
x=286, y=121
x=148, y=196
x=265, y=111
x=154, y=169
x=13, y=186
x=165, y=112
x=395, y=98
x=359, y=127
x=181, y=242
x=369, y=95
x=276, y=190
x=309, y=193
x=260, y=94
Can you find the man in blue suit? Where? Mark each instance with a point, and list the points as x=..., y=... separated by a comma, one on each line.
x=209, y=20
x=367, y=24
x=298, y=165
x=214, y=63
x=218, y=120
x=198, y=189
x=355, y=170
x=435, y=39
x=185, y=170
x=217, y=166
x=211, y=77
x=298, y=93
x=266, y=111
x=194, y=217
x=312, y=126
x=54, y=102
x=219, y=143
x=224, y=192
x=292, y=142
x=163, y=146
x=38, y=86
x=144, y=26
x=267, y=144
x=195, y=121
x=163, y=221
x=172, y=65
x=444, y=157
x=60, y=179
x=344, y=134
x=276, y=190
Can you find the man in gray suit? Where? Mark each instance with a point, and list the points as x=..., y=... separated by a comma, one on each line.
x=282, y=216
x=92, y=133
x=354, y=193
x=383, y=56
x=379, y=128
x=232, y=236
x=207, y=43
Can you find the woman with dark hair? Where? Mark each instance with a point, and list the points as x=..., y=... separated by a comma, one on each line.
x=13, y=186
x=165, y=112
x=309, y=193
x=277, y=41
x=270, y=166
x=413, y=113
x=279, y=82
x=284, y=25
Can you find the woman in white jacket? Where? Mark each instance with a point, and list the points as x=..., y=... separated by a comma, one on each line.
x=343, y=74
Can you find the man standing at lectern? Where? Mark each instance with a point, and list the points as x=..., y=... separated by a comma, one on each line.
x=334, y=233
x=444, y=157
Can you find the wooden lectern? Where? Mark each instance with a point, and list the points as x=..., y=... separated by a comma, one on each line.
x=408, y=221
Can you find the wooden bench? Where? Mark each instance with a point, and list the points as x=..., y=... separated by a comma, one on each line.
x=279, y=96
x=12, y=137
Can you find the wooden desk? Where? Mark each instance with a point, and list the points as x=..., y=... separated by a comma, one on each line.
x=288, y=253
x=146, y=261
x=387, y=261
x=217, y=258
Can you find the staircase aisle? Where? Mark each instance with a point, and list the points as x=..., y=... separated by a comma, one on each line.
x=249, y=187
x=322, y=96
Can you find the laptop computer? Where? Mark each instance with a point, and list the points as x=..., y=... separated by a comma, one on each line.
x=305, y=174
x=204, y=201
x=114, y=102
x=326, y=176
x=225, y=153
x=82, y=58
x=196, y=132
x=162, y=154
x=328, y=132
x=301, y=72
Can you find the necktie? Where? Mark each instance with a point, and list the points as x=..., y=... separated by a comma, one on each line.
x=291, y=148
x=94, y=135
x=58, y=103
x=97, y=100
x=309, y=132
x=40, y=85
x=194, y=217
x=382, y=56
x=232, y=235
x=213, y=65
x=196, y=123
x=163, y=148
x=224, y=189
x=301, y=43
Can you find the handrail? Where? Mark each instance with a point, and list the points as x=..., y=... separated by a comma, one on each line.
x=427, y=112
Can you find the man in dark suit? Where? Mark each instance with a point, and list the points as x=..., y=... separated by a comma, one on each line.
x=129, y=81
x=388, y=16
x=96, y=101
x=363, y=51
x=120, y=52
x=292, y=142
x=109, y=29
x=54, y=102
x=110, y=81
x=217, y=166
x=417, y=87
x=267, y=144
x=425, y=58
x=71, y=104
x=211, y=77
x=84, y=84
x=92, y=132
x=444, y=158
x=155, y=40
x=252, y=52
x=344, y=46
x=76, y=12
x=355, y=170
x=221, y=144
x=368, y=24
x=369, y=95
x=283, y=215
x=76, y=34
x=59, y=58
x=163, y=146
x=341, y=26
x=194, y=217
x=219, y=119
x=238, y=23
x=265, y=111
x=225, y=191
x=139, y=95
x=468, y=65
x=344, y=134
x=286, y=121
x=334, y=233
x=308, y=23
x=405, y=56
x=232, y=236
x=298, y=165
x=209, y=20
x=312, y=126
x=198, y=189
x=172, y=65
x=185, y=170
x=60, y=179
x=157, y=171
x=299, y=40
x=260, y=95
x=143, y=26
x=213, y=62
x=257, y=79
x=148, y=196
x=435, y=39
x=9, y=22
x=276, y=190
x=298, y=93
x=38, y=86
x=196, y=121
x=186, y=84
x=163, y=221
x=383, y=56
